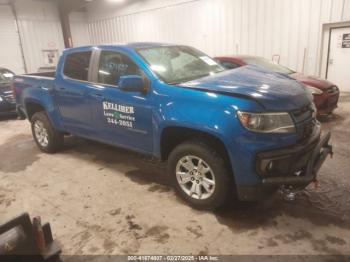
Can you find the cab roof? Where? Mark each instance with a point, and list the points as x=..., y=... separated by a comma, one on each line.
x=135, y=45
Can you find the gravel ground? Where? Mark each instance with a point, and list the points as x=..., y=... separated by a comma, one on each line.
x=104, y=200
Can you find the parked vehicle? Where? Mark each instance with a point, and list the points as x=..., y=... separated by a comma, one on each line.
x=7, y=101
x=245, y=132
x=326, y=94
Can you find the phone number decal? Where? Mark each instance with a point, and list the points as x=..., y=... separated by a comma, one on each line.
x=119, y=115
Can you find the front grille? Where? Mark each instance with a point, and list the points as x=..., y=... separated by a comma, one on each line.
x=302, y=114
x=306, y=130
x=305, y=122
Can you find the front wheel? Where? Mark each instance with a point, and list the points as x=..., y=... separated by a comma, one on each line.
x=200, y=175
x=46, y=137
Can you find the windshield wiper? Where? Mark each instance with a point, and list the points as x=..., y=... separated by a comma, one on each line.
x=188, y=79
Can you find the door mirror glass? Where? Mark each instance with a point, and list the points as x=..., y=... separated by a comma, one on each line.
x=131, y=83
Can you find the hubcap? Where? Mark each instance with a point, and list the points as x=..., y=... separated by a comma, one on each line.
x=195, y=177
x=41, y=134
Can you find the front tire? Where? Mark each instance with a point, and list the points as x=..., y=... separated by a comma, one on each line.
x=46, y=137
x=200, y=175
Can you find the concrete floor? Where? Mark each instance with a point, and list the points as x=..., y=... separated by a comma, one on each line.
x=103, y=200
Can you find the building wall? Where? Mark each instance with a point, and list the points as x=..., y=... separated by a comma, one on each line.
x=291, y=29
x=40, y=29
x=10, y=51
x=79, y=29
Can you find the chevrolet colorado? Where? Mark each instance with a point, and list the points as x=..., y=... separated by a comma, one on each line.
x=222, y=133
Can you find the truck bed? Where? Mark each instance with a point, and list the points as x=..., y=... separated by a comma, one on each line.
x=50, y=74
x=28, y=85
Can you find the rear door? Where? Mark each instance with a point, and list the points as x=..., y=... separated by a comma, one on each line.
x=71, y=93
x=123, y=118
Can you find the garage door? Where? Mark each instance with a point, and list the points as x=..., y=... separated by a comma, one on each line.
x=10, y=51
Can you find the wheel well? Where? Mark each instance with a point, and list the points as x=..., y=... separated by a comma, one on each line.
x=173, y=136
x=32, y=108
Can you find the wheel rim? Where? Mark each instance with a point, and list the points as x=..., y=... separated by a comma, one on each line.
x=195, y=177
x=41, y=134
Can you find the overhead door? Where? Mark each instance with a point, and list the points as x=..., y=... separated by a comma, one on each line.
x=10, y=51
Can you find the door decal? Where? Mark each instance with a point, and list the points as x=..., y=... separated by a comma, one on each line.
x=119, y=115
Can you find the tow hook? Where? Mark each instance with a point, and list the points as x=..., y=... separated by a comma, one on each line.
x=288, y=194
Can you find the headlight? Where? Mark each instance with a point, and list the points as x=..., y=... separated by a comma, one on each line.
x=267, y=122
x=314, y=90
x=1, y=99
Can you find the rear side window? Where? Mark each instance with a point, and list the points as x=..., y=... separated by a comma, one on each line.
x=113, y=65
x=77, y=65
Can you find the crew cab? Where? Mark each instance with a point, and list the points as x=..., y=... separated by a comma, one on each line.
x=223, y=133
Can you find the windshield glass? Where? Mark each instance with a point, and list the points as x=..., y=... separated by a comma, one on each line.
x=177, y=64
x=5, y=76
x=267, y=64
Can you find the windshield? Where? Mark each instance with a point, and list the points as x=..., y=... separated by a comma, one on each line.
x=5, y=76
x=177, y=64
x=267, y=64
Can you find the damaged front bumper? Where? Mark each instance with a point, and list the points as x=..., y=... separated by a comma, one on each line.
x=301, y=176
x=291, y=168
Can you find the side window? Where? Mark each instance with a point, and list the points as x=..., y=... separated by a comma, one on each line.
x=113, y=65
x=76, y=65
x=229, y=65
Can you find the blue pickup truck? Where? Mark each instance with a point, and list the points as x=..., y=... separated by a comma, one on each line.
x=245, y=132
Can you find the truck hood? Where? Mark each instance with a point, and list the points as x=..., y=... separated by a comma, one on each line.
x=275, y=92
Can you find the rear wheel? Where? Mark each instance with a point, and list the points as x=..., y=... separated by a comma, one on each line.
x=46, y=137
x=200, y=175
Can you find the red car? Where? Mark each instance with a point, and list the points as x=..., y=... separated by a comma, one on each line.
x=325, y=93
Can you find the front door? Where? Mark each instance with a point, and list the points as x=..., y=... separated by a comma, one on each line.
x=339, y=57
x=124, y=118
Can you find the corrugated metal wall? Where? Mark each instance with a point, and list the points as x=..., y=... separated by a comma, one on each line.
x=79, y=29
x=10, y=51
x=40, y=29
x=289, y=28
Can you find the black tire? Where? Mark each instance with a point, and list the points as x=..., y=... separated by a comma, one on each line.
x=224, y=186
x=54, y=138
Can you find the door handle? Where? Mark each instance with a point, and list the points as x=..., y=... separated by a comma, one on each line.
x=98, y=96
x=63, y=88
x=49, y=90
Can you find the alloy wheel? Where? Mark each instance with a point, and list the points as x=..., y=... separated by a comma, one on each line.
x=195, y=177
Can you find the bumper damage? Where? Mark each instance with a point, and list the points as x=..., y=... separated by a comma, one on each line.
x=289, y=170
x=307, y=174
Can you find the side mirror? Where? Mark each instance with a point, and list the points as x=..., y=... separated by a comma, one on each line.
x=132, y=83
